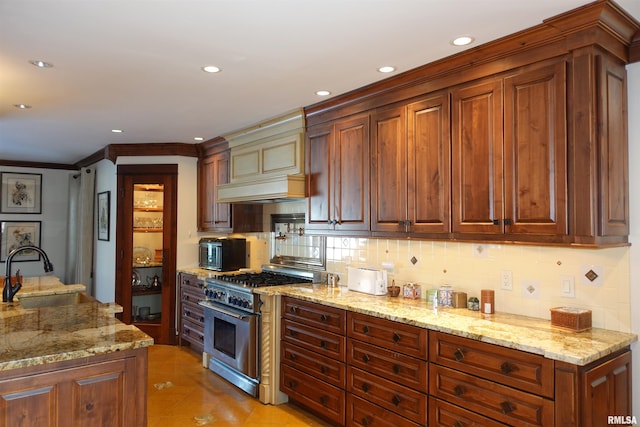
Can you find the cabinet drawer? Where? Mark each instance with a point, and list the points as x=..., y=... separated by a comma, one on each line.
x=312, y=314
x=394, y=336
x=193, y=313
x=525, y=371
x=190, y=280
x=387, y=394
x=392, y=365
x=322, y=398
x=191, y=295
x=443, y=414
x=366, y=414
x=312, y=363
x=193, y=333
x=318, y=341
x=505, y=404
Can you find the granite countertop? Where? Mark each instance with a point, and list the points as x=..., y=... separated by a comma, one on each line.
x=528, y=334
x=36, y=336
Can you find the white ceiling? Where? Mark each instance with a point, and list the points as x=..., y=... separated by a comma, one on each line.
x=136, y=64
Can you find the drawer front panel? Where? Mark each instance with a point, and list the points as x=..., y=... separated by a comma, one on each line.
x=392, y=365
x=529, y=372
x=190, y=281
x=387, y=394
x=314, y=339
x=317, y=315
x=323, y=398
x=193, y=313
x=312, y=363
x=394, y=336
x=443, y=414
x=499, y=402
x=193, y=333
x=365, y=414
x=192, y=295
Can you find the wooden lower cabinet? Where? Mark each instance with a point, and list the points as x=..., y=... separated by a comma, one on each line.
x=191, y=314
x=106, y=390
x=386, y=373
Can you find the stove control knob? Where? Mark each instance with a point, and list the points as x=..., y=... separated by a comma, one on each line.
x=246, y=303
x=233, y=300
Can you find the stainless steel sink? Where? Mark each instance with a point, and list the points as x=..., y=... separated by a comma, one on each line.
x=54, y=300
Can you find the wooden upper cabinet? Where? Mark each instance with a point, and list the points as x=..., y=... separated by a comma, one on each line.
x=213, y=170
x=411, y=167
x=510, y=155
x=338, y=175
x=477, y=157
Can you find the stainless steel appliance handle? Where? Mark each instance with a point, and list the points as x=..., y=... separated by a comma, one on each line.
x=227, y=312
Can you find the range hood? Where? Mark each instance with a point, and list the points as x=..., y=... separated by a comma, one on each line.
x=266, y=162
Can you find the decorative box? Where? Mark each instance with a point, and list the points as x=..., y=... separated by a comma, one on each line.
x=576, y=319
x=411, y=290
x=459, y=299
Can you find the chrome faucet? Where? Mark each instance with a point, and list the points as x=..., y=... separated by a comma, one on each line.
x=9, y=291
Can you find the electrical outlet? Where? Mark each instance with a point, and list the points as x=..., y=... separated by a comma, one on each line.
x=531, y=289
x=567, y=287
x=506, y=280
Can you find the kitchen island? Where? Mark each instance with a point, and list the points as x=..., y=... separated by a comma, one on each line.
x=70, y=363
x=363, y=358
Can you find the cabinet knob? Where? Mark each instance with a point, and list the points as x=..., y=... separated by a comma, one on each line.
x=293, y=384
x=507, y=407
x=396, y=369
x=506, y=368
x=366, y=387
x=89, y=406
x=458, y=424
x=365, y=330
x=396, y=337
x=496, y=222
x=458, y=390
x=293, y=309
x=365, y=358
x=507, y=221
x=293, y=333
x=395, y=400
x=324, y=369
x=292, y=357
x=323, y=344
x=458, y=354
x=323, y=318
x=324, y=399
x=365, y=421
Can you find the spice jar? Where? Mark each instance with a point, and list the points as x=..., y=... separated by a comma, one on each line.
x=445, y=296
x=487, y=301
x=473, y=304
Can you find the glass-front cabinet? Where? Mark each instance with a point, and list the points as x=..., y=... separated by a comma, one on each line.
x=145, y=258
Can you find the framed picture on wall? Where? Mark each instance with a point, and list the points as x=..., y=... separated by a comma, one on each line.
x=14, y=234
x=21, y=193
x=103, y=215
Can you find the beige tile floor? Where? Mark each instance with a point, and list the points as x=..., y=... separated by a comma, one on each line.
x=182, y=393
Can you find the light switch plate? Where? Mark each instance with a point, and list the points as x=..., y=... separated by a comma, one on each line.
x=567, y=287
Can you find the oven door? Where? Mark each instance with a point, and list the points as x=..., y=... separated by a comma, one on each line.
x=231, y=337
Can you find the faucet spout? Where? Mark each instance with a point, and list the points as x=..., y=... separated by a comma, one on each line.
x=9, y=290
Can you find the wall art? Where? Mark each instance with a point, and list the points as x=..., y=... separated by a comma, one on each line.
x=14, y=234
x=103, y=215
x=21, y=193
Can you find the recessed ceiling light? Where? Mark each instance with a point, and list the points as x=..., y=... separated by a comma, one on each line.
x=198, y=138
x=22, y=106
x=40, y=64
x=462, y=41
x=117, y=130
x=323, y=93
x=387, y=69
x=211, y=69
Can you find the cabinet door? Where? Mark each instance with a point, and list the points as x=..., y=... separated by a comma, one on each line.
x=319, y=169
x=389, y=171
x=214, y=170
x=607, y=391
x=477, y=157
x=351, y=179
x=429, y=165
x=535, y=148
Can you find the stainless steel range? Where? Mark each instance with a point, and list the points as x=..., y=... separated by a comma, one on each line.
x=232, y=321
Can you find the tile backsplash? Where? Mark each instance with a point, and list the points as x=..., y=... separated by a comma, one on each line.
x=470, y=267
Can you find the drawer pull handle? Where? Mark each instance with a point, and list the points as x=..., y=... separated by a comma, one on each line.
x=458, y=354
x=366, y=421
x=366, y=358
x=366, y=387
x=293, y=309
x=292, y=356
x=293, y=384
x=202, y=319
x=365, y=329
x=395, y=400
x=323, y=344
x=458, y=390
x=458, y=424
x=293, y=333
x=396, y=337
x=396, y=369
x=506, y=368
x=323, y=369
x=89, y=406
x=324, y=400
x=507, y=407
x=323, y=318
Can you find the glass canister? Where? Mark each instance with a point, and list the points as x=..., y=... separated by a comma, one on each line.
x=445, y=296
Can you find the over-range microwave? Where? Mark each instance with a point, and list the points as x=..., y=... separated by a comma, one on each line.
x=223, y=254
